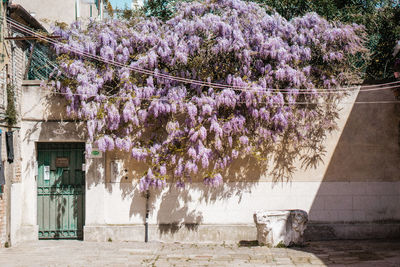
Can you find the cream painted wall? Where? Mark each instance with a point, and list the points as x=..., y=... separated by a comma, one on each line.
x=340, y=202
x=37, y=111
x=366, y=191
x=16, y=216
x=33, y=132
x=49, y=11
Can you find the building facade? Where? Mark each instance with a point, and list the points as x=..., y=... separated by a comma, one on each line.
x=61, y=193
x=353, y=193
x=47, y=12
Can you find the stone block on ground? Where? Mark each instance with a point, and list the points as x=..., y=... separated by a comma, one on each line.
x=280, y=227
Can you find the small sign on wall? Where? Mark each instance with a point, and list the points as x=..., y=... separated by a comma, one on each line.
x=62, y=162
x=96, y=154
x=46, y=173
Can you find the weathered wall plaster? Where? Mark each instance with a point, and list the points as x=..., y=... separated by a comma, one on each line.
x=355, y=189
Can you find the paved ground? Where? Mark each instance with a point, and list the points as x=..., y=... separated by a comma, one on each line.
x=77, y=253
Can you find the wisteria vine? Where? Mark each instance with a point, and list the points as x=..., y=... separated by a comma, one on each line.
x=179, y=129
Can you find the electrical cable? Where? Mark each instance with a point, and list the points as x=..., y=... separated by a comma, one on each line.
x=238, y=102
x=39, y=36
x=196, y=82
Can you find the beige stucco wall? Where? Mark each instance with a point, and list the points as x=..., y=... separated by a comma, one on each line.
x=38, y=112
x=357, y=182
x=11, y=71
x=49, y=11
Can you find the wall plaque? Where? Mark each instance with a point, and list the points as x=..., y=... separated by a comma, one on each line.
x=62, y=162
x=96, y=154
x=46, y=173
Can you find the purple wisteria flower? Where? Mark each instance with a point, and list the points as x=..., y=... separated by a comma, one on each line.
x=181, y=129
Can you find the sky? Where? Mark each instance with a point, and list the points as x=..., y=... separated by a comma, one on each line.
x=120, y=3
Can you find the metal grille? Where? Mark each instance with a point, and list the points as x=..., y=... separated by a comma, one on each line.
x=61, y=190
x=40, y=62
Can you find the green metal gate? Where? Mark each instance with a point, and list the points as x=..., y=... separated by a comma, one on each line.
x=61, y=190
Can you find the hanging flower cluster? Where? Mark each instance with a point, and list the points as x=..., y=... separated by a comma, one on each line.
x=274, y=67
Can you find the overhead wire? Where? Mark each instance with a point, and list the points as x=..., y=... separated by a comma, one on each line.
x=157, y=74
x=117, y=64
x=175, y=78
x=327, y=91
x=238, y=102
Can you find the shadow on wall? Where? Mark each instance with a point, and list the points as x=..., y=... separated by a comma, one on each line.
x=174, y=211
x=357, y=186
x=359, y=194
x=60, y=199
x=174, y=206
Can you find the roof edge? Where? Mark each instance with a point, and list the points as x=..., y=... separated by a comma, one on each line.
x=17, y=11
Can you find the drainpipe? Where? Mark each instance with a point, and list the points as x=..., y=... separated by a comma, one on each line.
x=77, y=10
x=101, y=7
x=146, y=222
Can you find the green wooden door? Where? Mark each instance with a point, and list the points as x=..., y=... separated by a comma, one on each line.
x=61, y=190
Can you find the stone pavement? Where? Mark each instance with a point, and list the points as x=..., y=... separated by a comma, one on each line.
x=78, y=253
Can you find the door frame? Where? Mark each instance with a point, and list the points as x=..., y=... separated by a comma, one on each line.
x=36, y=173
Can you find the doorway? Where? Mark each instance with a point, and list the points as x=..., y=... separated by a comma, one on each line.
x=61, y=190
